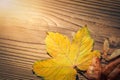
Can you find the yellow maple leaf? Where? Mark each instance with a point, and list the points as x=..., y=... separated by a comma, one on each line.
x=66, y=56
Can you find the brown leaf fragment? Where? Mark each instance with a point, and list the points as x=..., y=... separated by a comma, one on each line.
x=94, y=70
x=105, y=48
x=113, y=75
x=110, y=67
x=115, y=54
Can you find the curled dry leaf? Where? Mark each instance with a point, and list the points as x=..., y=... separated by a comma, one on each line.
x=94, y=70
x=105, y=48
x=109, y=71
x=110, y=67
x=114, y=73
x=115, y=54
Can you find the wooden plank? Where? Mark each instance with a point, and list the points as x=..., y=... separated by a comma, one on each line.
x=24, y=23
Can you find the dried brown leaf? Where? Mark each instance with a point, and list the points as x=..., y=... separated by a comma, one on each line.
x=105, y=48
x=115, y=54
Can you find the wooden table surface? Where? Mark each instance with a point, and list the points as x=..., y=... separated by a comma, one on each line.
x=24, y=23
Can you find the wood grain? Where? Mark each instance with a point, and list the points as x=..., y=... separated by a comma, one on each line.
x=24, y=23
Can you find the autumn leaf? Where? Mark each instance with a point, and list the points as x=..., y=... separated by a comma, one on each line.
x=106, y=48
x=95, y=69
x=66, y=55
x=115, y=54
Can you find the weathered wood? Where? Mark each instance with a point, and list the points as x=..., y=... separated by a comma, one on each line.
x=24, y=23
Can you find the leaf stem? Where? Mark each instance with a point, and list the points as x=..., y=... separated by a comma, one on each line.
x=80, y=72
